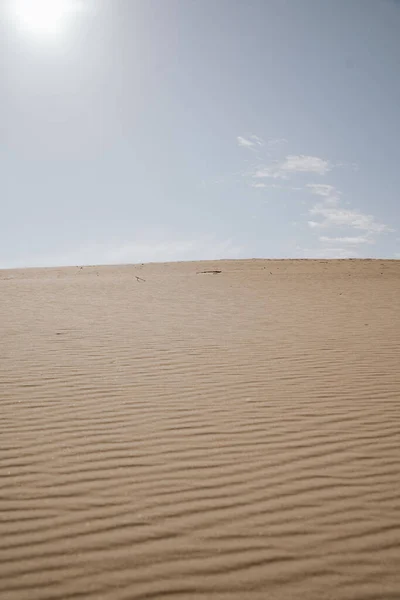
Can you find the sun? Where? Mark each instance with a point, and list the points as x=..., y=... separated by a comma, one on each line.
x=44, y=17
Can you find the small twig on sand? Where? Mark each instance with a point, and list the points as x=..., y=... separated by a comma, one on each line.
x=139, y=278
x=211, y=272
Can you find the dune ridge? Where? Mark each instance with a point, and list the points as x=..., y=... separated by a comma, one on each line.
x=167, y=432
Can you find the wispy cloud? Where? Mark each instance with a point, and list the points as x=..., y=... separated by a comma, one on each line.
x=250, y=142
x=256, y=184
x=342, y=217
x=261, y=185
x=306, y=164
x=259, y=141
x=329, y=214
x=346, y=230
x=351, y=240
x=330, y=194
x=244, y=142
x=277, y=141
x=292, y=165
x=321, y=189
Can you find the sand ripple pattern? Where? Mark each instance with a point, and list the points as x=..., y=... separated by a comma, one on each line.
x=220, y=436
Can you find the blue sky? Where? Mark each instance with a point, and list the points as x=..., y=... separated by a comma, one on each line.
x=158, y=130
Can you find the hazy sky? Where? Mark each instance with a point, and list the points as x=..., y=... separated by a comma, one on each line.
x=157, y=130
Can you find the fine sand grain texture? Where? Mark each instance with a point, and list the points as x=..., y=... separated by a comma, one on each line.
x=171, y=431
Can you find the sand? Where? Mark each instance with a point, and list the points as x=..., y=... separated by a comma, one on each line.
x=167, y=433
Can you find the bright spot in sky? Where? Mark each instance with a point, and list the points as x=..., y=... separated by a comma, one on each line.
x=44, y=17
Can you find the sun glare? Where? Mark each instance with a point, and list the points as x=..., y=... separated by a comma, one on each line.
x=44, y=17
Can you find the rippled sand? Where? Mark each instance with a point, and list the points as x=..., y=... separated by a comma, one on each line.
x=167, y=433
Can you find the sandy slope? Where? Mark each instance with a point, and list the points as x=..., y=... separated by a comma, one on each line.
x=224, y=436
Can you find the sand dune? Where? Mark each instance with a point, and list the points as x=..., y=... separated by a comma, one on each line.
x=168, y=433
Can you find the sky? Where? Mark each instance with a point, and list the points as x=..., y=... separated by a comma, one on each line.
x=162, y=130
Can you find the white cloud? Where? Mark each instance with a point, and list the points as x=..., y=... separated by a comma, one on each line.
x=352, y=241
x=277, y=141
x=259, y=184
x=321, y=189
x=341, y=217
x=333, y=215
x=250, y=142
x=347, y=229
x=259, y=141
x=272, y=171
x=245, y=143
x=305, y=164
x=329, y=192
x=294, y=164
